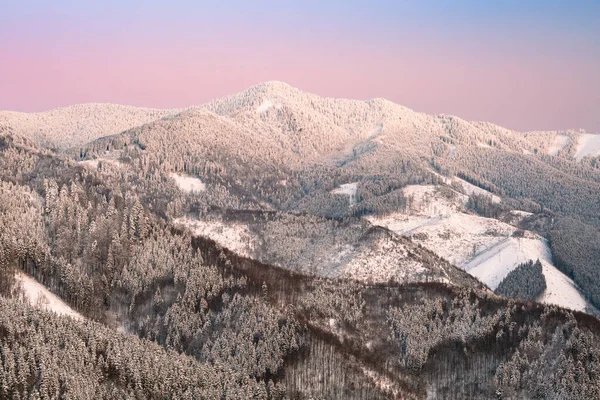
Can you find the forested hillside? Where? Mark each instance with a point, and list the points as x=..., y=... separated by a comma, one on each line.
x=525, y=282
x=275, y=244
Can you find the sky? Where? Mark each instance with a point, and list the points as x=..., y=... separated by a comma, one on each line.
x=525, y=65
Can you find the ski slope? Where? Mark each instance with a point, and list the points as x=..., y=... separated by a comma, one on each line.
x=37, y=295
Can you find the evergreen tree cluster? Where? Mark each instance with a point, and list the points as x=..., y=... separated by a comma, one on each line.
x=525, y=282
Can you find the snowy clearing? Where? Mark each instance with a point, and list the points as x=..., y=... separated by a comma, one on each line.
x=264, y=107
x=37, y=295
x=472, y=189
x=560, y=142
x=561, y=290
x=95, y=162
x=188, y=184
x=347, y=189
x=484, y=247
x=381, y=261
x=267, y=105
x=493, y=265
x=455, y=237
x=588, y=145
x=235, y=237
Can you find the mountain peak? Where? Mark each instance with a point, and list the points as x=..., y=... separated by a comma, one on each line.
x=272, y=88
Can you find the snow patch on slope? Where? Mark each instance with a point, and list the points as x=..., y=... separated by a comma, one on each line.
x=37, y=295
x=264, y=107
x=472, y=189
x=561, y=290
x=347, y=189
x=188, y=184
x=235, y=237
x=587, y=145
x=560, y=142
x=267, y=105
x=94, y=163
x=381, y=261
x=484, y=247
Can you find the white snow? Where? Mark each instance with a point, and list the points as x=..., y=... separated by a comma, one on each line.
x=472, y=189
x=560, y=142
x=484, y=247
x=561, y=290
x=347, y=189
x=264, y=107
x=37, y=295
x=377, y=131
x=381, y=261
x=455, y=237
x=94, y=163
x=188, y=184
x=587, y=145
x=234, y=236
x=495, y=263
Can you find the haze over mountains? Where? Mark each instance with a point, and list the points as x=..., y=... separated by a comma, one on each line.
x=294, y=245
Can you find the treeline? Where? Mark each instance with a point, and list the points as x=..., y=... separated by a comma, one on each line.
x=576, y=251
x=525, y=282
x=485, y=206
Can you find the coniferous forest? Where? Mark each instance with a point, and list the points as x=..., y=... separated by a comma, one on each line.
x=206, y=260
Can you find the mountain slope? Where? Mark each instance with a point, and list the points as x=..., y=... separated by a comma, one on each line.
x=75, y=125
x=102, y=236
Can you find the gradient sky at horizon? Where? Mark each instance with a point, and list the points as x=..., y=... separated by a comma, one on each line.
x=521, y=64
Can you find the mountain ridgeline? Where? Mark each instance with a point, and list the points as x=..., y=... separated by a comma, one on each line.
x=237, y=250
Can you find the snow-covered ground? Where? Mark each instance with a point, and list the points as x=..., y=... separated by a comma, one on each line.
x=472, y=189
x=266, y=105
x=235, y=237
x=587, y=145
x=560, y=142
x=347, y=189
x=381, y=261
x=455, y=237
x=37, y=295
x=188, y=184
x=94, y=163
x=484, y=247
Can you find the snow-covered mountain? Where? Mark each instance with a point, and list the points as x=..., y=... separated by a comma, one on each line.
x=296, y=246
x=76, y=125
x=303, y=124
x=275, y=147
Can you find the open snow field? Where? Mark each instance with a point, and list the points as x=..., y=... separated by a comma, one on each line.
x=37, y=295
x=587, y=145
x=484, y=247
x=188, y=184
x=472, y=189
x=235, y=237
x=559, y=143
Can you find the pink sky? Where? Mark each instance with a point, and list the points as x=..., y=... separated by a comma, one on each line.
x=533, y=84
